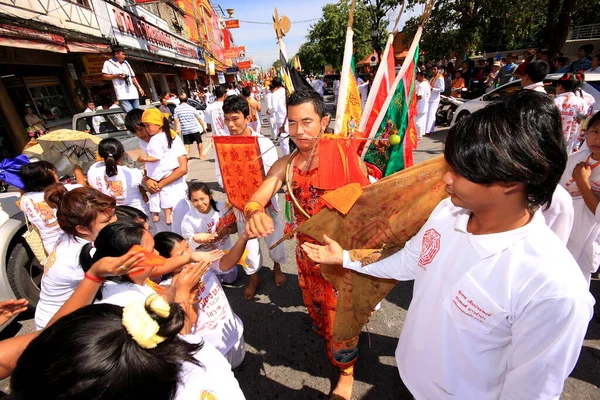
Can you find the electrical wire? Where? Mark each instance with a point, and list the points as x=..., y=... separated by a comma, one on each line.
x=271, y=23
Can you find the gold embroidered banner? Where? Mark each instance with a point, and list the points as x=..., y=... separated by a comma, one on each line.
x=241, y=167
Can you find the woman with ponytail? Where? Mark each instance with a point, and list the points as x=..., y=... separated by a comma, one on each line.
x=104, y=351
x=81, y=214
x=569, y=100
x=161, y=159
x=116, y=180
x=37, y=177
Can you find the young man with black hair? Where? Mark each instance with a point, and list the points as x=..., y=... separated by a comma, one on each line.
x=499, y=308
x=127, y=88
x=535, y=73
x=237, y=121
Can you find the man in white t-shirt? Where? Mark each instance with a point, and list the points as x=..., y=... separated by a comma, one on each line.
x=535, y=73
x=318, y=86
x=96, y=121
x=232, y=90
x=500, y=308
x=127, y=88
x=423, y=94
x=214, y=113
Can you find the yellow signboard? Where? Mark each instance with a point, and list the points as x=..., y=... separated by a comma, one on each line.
x=93, y=63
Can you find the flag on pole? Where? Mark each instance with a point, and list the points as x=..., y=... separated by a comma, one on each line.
x=397, y=117
x=349, y=108
x=382, y=85
x=285, y=73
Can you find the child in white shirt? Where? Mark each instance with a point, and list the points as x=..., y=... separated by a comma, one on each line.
x=499, y=308
x=217, y=323
x=200, y=224
x=582, y=180
x=160, y=161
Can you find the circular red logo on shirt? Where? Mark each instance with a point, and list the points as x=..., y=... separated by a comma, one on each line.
x=431, y=246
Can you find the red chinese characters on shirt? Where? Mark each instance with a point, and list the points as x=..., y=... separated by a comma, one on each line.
x=430, y=247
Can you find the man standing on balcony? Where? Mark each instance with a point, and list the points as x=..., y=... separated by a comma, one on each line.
x=127, y=88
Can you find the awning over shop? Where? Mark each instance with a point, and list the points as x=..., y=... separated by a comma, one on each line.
x=26, y=38
x=83, y=47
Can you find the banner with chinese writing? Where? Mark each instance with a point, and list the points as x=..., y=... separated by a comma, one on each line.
x=241, y=167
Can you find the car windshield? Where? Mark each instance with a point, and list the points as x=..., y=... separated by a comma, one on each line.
x=104, y=123
x=504, y=91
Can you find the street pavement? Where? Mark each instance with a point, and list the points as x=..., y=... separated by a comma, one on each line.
x=286, y=360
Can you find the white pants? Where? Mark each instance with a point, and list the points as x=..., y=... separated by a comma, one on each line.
x=254, y=255
x=433, y=106
x=177, y=201
x=168, y=196
x=285, y=144
x=236, y=355
x=273, y=126
x=420, y=122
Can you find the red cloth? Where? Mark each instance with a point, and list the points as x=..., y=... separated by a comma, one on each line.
x=339, y=163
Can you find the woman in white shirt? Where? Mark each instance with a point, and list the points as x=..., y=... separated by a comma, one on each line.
x=82, y=213
x=572, y=106
x=115, y=180
x=36, y=177
x=499, y=308
x=109, y=352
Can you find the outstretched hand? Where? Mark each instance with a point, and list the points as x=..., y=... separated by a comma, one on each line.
x=331, y=253
x=10, y=308
x=115, y=266
x=207, y=256
x=259, y=225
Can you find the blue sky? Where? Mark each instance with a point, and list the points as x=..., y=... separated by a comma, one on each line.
x=260, y=40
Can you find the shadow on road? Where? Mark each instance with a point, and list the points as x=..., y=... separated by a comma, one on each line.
x=281, y=335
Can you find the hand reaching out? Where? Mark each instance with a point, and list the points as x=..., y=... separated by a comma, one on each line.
x=204, y=238
x=331, y=253
x=207, y=256
x=115, y=266
x=10, y=308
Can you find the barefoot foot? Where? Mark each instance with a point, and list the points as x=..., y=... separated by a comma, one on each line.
x=250, y=291
x=280, y=278
x=156, y=218
x=343, y=390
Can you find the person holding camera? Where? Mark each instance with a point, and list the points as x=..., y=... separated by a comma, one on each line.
x=127, y=88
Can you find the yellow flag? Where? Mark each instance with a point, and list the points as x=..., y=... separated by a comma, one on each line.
x=353, y=110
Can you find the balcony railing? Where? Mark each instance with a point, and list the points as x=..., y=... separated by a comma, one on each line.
x=583, y=32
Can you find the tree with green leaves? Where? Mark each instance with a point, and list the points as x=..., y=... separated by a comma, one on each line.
x=326, y=38
x=466, y=26
x=277, y=64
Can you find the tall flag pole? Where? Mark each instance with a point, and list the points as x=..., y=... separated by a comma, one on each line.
x=282, y=26
x=382, y=84
x=349, y=110
x=393, y=135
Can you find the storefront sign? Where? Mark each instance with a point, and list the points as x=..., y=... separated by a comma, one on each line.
x=25, y=38
x=211, y=67
x=236, y=52
x=244, y=64
x=232, y=23
x=93, y=63
x=134, y=32
x=221, y=77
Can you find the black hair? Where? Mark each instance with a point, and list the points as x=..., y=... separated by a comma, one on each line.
x=117, y=49
x=276, y=82
x=166, y=127
x=520, y=137
x=246, y=91
x=37, y=176
x=114, y=240
x=537, y=70
x=594, y=120
x=165, y=241
x=89, y=354
x=128, y=213
x=571, y=82
x=183, y=98
x=133, y=119
x=202, y=187
x=236, y=104
x=111, y=150
x=588, y=48
x=219, y=92
x=230, y=85
x=307, y=96
x=563, y=61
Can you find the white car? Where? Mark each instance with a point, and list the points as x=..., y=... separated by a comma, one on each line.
x=591, y=86
x=20, y=272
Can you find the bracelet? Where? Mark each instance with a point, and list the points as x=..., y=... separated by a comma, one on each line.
x=251, y=208
x=93, y=278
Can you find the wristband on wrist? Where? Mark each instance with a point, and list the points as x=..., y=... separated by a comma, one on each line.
x=252, y=208
x=93, y=278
